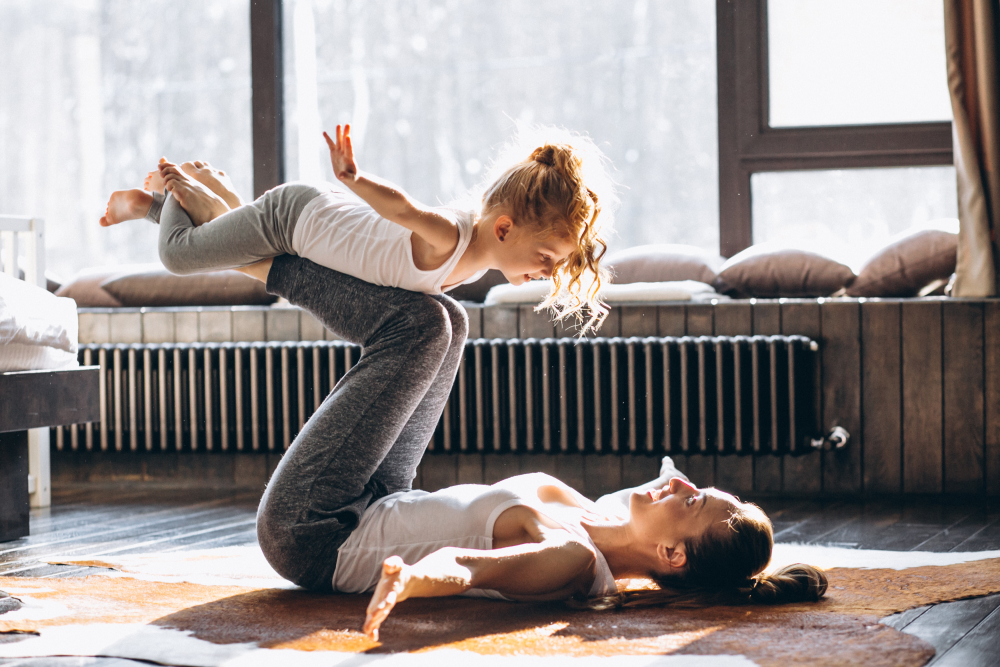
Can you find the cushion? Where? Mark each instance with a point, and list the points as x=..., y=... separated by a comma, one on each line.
x=663, y=263
x=158, y=287
x=534, y=291
x=477, y=291
x=908, y=264
x=85, y=287
x=769, y=270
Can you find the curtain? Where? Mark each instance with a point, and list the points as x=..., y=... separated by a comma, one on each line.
x=972, y=42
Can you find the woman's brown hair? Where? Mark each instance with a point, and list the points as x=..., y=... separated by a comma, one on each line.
x=725, y=567
x=562, y=189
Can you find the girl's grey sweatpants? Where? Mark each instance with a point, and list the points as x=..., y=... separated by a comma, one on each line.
x=366, y=439
x=368, y=436
x=244, y=235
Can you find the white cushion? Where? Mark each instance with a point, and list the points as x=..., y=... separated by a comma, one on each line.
x=534, y=291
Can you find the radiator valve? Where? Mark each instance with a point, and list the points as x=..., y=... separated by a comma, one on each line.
x=837, y=438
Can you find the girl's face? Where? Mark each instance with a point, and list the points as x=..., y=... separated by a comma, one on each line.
x=524, y=256
x=678, y=513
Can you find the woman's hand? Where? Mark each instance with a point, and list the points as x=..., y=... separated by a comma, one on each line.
x=390, y=590
x=342, y=154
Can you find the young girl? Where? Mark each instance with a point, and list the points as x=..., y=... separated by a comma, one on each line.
x=539, y=219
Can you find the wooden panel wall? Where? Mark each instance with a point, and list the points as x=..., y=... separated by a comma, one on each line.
x=916, y=382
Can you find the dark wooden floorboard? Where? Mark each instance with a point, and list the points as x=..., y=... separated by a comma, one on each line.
x=904, y=618
x=979, y=647
x=944, y=625
x=986, y=539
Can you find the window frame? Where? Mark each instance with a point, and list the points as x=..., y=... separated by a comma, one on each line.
x=748, y=144
x=267, y=92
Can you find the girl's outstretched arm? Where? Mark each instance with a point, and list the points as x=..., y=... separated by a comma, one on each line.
x=554, y=569
x=436, y=230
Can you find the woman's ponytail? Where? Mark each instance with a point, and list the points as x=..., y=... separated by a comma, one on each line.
x=792, y=583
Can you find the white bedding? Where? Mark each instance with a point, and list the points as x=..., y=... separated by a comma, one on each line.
x=534, y=291
x=38, y=330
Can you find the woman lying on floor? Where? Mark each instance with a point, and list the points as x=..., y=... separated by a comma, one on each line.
x=339, y=513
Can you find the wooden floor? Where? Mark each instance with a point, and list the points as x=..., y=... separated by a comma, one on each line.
x=105, y=519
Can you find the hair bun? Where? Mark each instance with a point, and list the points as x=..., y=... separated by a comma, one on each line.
x=544, y=155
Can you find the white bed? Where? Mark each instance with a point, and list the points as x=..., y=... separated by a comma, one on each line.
x=38, y=331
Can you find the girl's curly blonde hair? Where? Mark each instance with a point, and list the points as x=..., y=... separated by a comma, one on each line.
x=561, y=188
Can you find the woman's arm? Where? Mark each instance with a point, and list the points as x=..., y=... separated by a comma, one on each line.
x=437, y=231
x=554, y=569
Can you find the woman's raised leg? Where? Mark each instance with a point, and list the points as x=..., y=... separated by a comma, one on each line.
x=399, y=466
x=326, y=479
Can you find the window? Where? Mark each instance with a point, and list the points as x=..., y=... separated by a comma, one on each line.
x=856, y=62
x=432, y=89
x=848, y=213
x=815, y=133
x=92, y=94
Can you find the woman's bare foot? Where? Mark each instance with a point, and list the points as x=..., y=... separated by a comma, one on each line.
x=213, y=179
x=154, y=180
x=200, y=203
x=390, y=590
x=126, y=205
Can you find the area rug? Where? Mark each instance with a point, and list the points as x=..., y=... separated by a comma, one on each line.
x=155, y=613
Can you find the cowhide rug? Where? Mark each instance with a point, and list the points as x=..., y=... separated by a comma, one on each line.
x=226, y=607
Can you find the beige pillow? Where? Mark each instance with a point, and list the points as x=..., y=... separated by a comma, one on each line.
x=661, y=263
x=159, y=287
x=908, y=264
x=85, y=287
x=769, y=271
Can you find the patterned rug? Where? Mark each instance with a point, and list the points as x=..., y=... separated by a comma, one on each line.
x=225, y=607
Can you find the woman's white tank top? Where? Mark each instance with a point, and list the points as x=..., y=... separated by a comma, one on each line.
x=341, y=232
x=413, y=524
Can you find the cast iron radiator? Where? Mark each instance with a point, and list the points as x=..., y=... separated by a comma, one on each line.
x=722, y=395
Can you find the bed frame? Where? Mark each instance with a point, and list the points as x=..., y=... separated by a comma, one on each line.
x=33, y=401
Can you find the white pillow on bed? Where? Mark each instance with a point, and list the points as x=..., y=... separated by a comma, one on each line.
x=534, y=291
x=38, y=330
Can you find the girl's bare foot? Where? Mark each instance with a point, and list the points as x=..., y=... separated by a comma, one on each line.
x=213, y=179
x=200, y=203
x=126, y=205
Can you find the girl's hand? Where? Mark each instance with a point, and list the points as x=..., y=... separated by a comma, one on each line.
x=342, y=154
x=390, y=590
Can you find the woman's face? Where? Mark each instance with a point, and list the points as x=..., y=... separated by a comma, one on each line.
x=679, y=513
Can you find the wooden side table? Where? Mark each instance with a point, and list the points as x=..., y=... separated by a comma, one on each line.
x=37, y=399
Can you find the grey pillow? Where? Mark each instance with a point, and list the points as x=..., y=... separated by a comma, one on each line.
x=907, y=265
x=663, y=262
x=766, y=271
x=159, y=287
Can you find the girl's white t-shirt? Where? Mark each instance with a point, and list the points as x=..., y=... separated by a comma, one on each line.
x=342, y=233
x=414, y=524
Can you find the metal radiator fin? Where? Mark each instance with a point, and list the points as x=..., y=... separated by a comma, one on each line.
x=711, y=395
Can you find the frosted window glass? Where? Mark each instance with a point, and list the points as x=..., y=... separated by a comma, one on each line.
x=432, y=88
x=93, y=93
x=854, y=62
x=850, y=213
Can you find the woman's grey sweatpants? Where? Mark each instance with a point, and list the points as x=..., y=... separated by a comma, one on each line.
x=244, y=235
x=368, y=436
